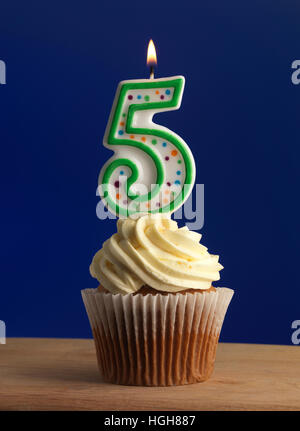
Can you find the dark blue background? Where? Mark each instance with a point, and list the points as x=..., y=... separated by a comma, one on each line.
x=240, y=116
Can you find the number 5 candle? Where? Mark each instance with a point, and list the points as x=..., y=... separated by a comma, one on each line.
x=152, y=169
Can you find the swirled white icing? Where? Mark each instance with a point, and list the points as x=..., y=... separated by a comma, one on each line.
x=151, y=250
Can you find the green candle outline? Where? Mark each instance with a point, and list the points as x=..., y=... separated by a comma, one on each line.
x=177, y=84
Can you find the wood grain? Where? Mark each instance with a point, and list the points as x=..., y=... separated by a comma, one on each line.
x=62, y=374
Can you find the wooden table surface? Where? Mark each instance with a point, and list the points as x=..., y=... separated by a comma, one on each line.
x=62, y=374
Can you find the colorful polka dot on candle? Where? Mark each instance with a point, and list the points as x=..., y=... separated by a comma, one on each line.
x=178, y=172
x=167, y=158
x=131, y=136
x=164, y=144
x=117, y=184
x=121, y=132
x=130, y=97
x=177, y=182
x=147, y=98
x=121, y=172
x=154, y=141
x=168, y=184
x=174, y=153
x=122, y=123
x=179, y=162
x=118, y=196
x=168, y=92
x=162, y=97
x=143, y=139
x=123, y=115
x=139, y=97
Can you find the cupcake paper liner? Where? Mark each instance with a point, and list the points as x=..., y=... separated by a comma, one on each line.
x=156, y=340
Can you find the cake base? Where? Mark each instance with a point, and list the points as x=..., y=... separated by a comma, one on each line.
x=156, y=340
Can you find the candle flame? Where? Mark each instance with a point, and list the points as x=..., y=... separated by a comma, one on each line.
x=151, y=54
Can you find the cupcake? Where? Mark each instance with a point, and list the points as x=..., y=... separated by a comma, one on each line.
x=155, y=317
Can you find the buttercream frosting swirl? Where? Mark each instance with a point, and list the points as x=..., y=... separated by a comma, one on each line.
x=151, y=250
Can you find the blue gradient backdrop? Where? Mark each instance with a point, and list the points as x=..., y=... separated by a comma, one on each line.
x=240, y=116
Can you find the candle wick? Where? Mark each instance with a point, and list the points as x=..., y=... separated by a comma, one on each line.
x=151, y=72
